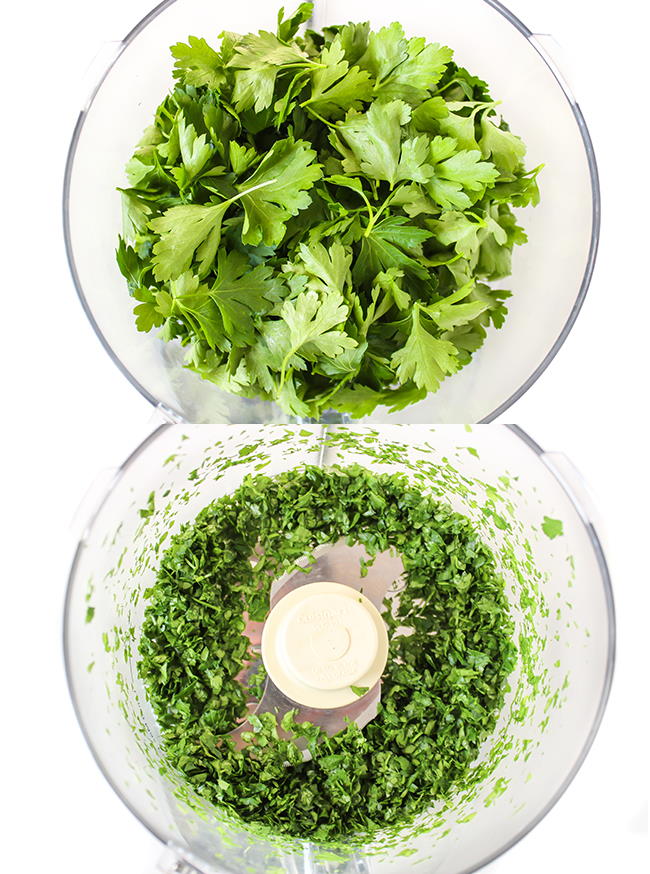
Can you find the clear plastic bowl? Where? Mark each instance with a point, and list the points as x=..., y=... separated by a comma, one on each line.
x=551, y=273
x=558, y=590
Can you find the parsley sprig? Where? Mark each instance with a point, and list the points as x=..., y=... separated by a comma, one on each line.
x=317, y=217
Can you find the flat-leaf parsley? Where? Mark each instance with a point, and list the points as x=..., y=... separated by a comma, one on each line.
x=362, y=175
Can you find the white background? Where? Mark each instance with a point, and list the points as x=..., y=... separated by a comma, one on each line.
x=69, y=413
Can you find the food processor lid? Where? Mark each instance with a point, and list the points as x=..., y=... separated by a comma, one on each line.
x=324, y=644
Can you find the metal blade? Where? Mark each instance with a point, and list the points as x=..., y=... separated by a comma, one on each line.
x=339, y=563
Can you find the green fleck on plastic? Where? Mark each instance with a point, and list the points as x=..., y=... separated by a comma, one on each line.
x=150, y=509
x=552, y=527
x=360, y=690
x=500, y=787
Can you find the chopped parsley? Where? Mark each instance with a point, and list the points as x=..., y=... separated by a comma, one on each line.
x=450, y=654
x=552, y=527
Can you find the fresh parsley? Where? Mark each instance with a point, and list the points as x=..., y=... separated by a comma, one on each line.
x=305, y=203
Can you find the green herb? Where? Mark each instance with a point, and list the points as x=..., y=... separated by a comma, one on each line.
x=442, y=688
x=360, y=690
x=150, y=509
x=316, y=217
x=552, y=527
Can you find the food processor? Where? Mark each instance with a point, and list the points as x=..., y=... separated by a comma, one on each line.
x=529, y=506
x=551, y=273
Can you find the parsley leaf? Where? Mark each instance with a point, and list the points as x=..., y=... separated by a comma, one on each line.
x=335, y=87
x=456, y=228
x=387, y=49
x=360, y=691
x=424, y=358
x=416, y=76
x=454, y=310
x=277, y=190
x=456, y=173
x=375, y=139
x=466, y=168
x=288, y=27
x=310, y=320
x=193, y=303
x=460, y=123
x=392, y=243
x=258, y=59
x=198, y=64
x=183, y=230
x=505, y=149
x=552, y=527
x=195, y=150
x=241, y=293
x=327, y=269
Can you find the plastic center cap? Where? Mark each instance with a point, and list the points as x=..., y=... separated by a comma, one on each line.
x=330, y=644
x=320, y=640
x=328, y=640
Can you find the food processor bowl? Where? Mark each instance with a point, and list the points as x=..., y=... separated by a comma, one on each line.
x=524, y=505
x=551, y=272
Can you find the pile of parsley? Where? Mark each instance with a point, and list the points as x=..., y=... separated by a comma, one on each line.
x=316, y=217
x=441, y=690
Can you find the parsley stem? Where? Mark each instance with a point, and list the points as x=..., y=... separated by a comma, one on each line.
x=247, y=191
x=361, y=194
x=317, y=116
x=313, y=65
x=205, y=604
x=374, y=218
x=252, y=189
x=337, y=388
